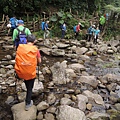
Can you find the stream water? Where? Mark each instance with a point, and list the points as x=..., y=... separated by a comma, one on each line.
x=93, y=68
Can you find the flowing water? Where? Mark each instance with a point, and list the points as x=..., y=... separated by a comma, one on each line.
x=92, y=67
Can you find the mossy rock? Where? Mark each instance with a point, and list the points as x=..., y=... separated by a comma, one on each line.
x=114, y=114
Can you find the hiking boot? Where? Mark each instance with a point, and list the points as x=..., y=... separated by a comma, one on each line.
x=28, y=105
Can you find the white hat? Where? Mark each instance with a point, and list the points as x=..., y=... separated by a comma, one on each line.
x=93, y=25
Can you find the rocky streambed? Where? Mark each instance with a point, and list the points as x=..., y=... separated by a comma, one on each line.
x=77, y=81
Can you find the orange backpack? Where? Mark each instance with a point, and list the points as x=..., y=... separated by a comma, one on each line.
x=26, y=61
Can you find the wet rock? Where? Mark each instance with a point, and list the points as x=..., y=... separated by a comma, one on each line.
x=98, y=99
x=91, y=80
x=82, y=100
x=59, y=73
x=77, y=67
x=97, y=115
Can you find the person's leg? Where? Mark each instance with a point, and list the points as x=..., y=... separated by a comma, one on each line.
x=29, y=85
x=96, y=39
x=47, y=33
x=44, y=36
x=63, y=34
x=89, y=37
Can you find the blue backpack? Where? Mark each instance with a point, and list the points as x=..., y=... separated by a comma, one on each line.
x=43, y=25
x=21, y=38
x=89, y=29
x=74, y=28
x=13, y=22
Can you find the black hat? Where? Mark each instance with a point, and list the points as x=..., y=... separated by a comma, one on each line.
x=31, y=38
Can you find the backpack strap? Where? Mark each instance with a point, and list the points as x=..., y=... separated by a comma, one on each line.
x=21, y=30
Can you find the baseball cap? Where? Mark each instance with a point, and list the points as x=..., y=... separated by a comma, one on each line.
x=31, y=38
x=20, y=22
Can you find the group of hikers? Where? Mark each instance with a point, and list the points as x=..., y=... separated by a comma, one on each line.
x=28, y=56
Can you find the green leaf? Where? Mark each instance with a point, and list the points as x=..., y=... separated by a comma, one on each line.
x=59, y=14
x=61, y=21
x=53, y=18
x=69, y=15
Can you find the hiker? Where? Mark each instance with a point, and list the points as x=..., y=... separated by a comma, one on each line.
x=101, y=23
x=13, y=21
x=46, y=30
x=27, y=57
x=77, y=30
x=90, y=33
x=96, y=34
x=63, y=29
x=20, y=34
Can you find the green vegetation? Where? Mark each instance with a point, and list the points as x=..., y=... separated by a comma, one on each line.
x=71, y=12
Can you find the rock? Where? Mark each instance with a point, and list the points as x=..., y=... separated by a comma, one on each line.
x=40, y=116
x=77, y=67
x=97, y=116
x=51, y=109
x=9, y=100
x=66, y=112
x=49, y=116
x=42, y=106
x=98, y=99
x=62, y=45
x=51, y=99
x=65, y=101
x=110, y=51
x=81, y=51
x=58, y=52
x=89, y=106
x=91, y=80
x=59, y=73
x=20, y=114
x=117, y=106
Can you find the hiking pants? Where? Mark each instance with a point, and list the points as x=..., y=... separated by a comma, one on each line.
x=29, y=86
x=63, y=34
x=76, y=34
x=46, y=34
x=95, y=39
x=89, y=37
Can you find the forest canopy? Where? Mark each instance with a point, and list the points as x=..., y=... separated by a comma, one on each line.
x=16, y=7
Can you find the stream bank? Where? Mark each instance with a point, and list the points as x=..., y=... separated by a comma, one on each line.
x=75, y=76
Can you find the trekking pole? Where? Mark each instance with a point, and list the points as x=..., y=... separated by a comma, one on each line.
x=38, y=72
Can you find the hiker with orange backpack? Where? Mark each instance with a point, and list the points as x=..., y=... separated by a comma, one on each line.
x=27, y=57
x=20, y=34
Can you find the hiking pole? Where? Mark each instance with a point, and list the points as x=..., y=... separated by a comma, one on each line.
x=38, y=72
